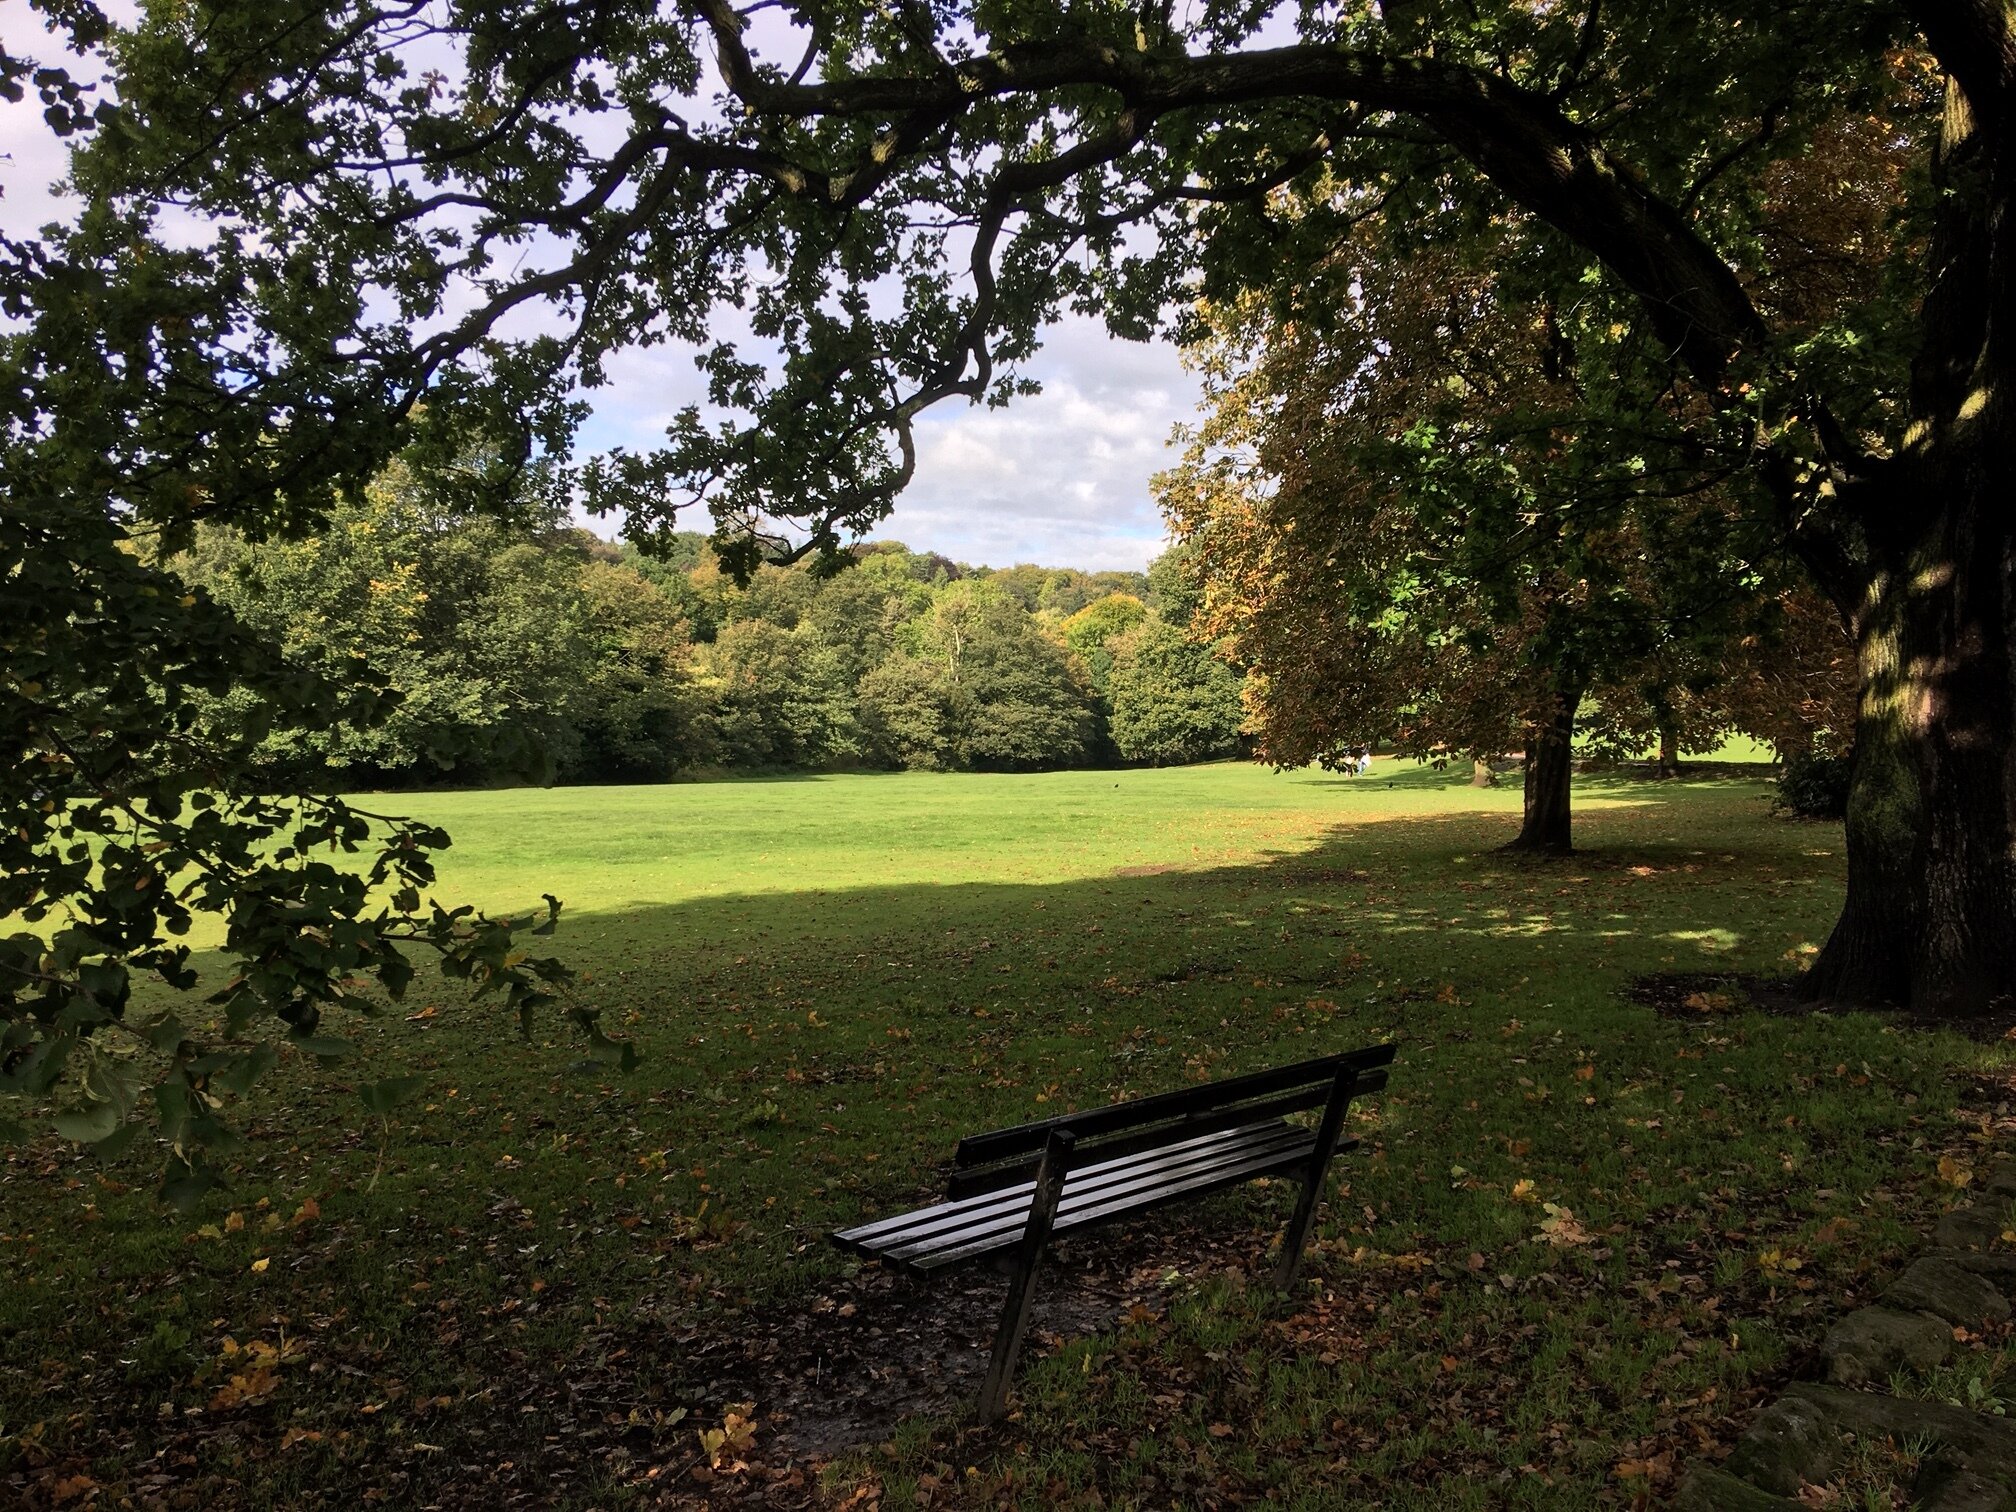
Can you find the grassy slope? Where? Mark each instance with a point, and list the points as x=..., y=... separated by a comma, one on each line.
x=831, y=978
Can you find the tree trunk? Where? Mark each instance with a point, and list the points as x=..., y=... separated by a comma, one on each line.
x=1930, y=917
x=1550, y=753
x=1481, y=774
x=1669, y=751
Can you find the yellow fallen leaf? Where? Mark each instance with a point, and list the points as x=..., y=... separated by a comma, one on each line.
x=259, y=1265
x=1562, y=1228
x=736, y=1434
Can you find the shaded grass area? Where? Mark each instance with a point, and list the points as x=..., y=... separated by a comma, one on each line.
x=1577, y=1239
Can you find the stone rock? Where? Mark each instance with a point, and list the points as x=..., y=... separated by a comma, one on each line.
x=1943, y=1486
x=1943, y=1288
x=1970, y=1440
x=1869, y=1344
x=1973, y=1227
x=1707, y=1490
x=1790, y=1445
x=2000, y=1178
x=1998, y=1266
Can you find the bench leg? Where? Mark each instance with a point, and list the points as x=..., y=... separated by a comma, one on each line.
x=1327, y=1131
x=1022, y=1284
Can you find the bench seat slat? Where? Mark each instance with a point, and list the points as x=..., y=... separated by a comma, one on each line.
x=1195, y=1184
x=985, y=1149
x=1005, y=1223
x=1014, y=1200
x=1137, y=1185
x=1016, y=1197
x=976, y=1181
x=949, y=1246
x=973, y=1180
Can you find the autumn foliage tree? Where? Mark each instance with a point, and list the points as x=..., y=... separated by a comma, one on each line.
x=1437, y=506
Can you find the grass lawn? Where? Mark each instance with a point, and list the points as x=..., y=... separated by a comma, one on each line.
x=1579, y=1239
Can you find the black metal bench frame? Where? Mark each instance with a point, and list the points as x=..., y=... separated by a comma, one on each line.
x=1013, y=1190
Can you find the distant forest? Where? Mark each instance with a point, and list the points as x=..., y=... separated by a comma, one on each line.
x=541, y=652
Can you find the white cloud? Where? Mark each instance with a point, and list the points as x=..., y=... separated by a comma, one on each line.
x=1060, y=478
x=32, y=157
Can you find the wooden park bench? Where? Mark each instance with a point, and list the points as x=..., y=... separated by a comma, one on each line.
x=1014, y=1190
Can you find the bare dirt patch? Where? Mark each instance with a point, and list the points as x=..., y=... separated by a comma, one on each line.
x=845, y=1368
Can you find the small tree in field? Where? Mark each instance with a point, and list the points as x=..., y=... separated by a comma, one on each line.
x=1172, y=700
x=1410, y=516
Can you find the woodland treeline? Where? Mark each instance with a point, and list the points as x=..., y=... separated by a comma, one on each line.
x=531, y=649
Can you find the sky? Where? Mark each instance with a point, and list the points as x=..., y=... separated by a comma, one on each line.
x=1060, y=478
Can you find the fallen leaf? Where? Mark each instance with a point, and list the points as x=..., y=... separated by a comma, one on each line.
x=736, y=1435
x=1562, y=1228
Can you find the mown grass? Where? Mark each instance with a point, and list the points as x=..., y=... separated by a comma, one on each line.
x=831, y=979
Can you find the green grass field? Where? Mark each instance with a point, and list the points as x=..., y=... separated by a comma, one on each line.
x=1578, y=1240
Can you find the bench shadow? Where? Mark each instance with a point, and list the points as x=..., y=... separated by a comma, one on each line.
x=871, y=1350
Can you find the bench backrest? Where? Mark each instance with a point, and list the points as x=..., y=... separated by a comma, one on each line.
x=1004, y=1156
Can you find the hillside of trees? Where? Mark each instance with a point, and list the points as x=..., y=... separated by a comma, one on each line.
x=535, y=650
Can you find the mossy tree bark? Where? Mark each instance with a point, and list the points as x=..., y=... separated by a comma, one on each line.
x=1930, y=917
